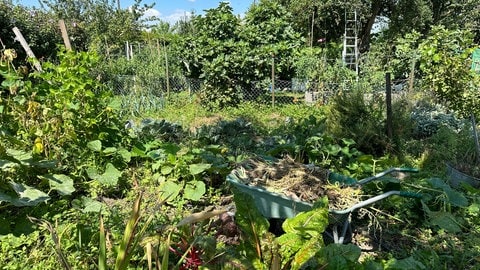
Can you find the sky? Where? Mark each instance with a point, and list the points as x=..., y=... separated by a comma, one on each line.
x=172, y=10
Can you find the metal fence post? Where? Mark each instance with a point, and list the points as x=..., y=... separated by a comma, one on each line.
x=273, y=80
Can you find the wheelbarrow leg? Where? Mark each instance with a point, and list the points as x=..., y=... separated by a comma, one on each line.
x=340, y=239
x=335, y=234
x=346, y=226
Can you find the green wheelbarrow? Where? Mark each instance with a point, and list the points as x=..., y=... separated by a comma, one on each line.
x=277, y=206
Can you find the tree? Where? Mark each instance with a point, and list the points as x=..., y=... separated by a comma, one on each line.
x=446, y=63
x=403, y=16
x=99, y=25
x=37, y=26
x=267, y=32
x=209, y=53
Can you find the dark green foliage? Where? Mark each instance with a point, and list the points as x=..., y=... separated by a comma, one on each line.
x=230, y=55
x=238, y=135
x=150, y=130
x=99, y=26
x=38, y=27
x=360, y=117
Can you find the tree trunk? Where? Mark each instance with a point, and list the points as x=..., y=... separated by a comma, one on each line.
x=367, y=28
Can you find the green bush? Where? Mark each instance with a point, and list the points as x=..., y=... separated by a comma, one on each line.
x=361, y=118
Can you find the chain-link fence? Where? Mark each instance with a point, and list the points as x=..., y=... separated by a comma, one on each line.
x=294, y=91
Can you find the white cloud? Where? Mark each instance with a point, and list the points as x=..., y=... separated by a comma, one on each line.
x=176, y=16
x=151, y=12
x=192, y=1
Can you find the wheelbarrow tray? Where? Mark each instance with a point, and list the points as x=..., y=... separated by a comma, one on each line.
x=275, y=205
x=270, y=204
x=278, y=206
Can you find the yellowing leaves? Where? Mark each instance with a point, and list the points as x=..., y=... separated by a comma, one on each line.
x=38, y=146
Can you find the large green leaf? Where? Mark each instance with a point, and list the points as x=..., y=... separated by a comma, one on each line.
x=289, y=243
x=5, y=197
x=308, y=224
x=95, y=145
x=87, y=205
x=454, y=197
x=21, y=156
x=199, y=168
x=59, y=182
x=339, y=256
x=253, y=225
x=169, y=190
x=7, y=165
x=110, y=176
x=306, y=253
x=405, y=264
x=125, y=154
x=28, y=196
x=92, y=173
x=445, y=221
x=194, y=190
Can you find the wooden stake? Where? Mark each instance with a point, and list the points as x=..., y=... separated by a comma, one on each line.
x=27, y=49
x=66, y=39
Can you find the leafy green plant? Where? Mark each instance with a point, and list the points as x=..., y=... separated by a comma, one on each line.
x=63, y=116
x=292, y=250
x=360, y=118
x=25, y=178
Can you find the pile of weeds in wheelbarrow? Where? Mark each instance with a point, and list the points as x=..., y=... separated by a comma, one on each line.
x=307, y=183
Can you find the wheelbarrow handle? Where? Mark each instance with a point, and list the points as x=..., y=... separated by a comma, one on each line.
x=409, y=194
x=376, y=199
x=389, y=171
x=349, y=181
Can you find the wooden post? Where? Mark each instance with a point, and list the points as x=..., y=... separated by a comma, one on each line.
x=27, y=49
x=388, y=98
x=411, y=77
x=126, y=50
x=273, y=80
x=475, y=137
x=166, y=69
x=66, y=39
x=311, y=31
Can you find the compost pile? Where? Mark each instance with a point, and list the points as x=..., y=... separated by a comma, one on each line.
x=298, y=181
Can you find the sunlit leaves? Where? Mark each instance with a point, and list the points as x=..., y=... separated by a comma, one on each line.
x=445, y=60
x=59, y=182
